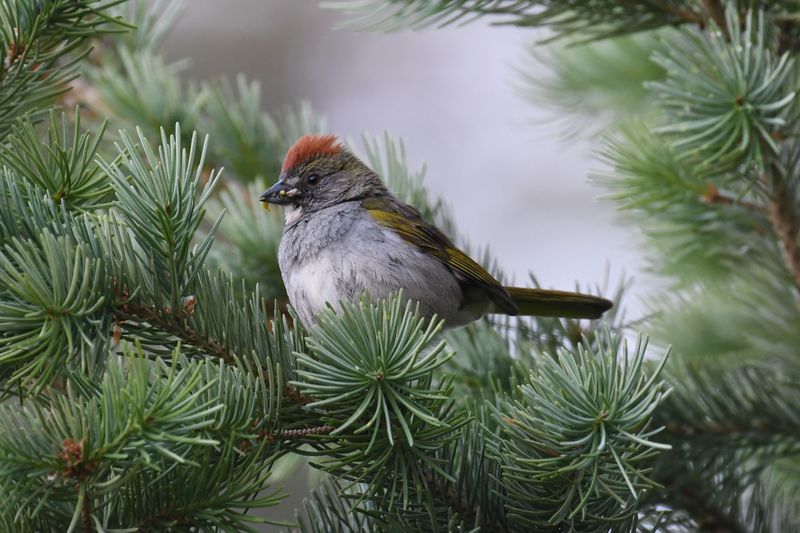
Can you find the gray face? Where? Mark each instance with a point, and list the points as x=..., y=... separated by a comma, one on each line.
x=323, y=182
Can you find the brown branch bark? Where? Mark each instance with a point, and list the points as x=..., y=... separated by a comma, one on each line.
x=440, y=490
x=687, y=15
x=708, y=517
x=782, y=217
x=787, y=40
x=684, y=15
x=86, y=512
x=713, y=196
x=177, y=326
x=297, y=434
x=716, y=12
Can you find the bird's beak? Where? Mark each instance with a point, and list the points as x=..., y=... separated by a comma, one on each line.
x=281, y=194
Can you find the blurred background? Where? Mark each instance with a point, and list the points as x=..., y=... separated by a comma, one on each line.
x=455, y=96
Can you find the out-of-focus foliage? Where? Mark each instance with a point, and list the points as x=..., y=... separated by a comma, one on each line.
x=585, y=18
x=601, y=82
x=727, y=115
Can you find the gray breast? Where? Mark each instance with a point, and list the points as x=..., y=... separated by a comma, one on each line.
x=341, y=253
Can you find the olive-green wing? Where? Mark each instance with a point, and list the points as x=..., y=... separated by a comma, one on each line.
x=407, y=223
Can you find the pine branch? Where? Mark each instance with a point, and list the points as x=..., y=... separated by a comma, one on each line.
x=53, y=305
x=743, y=406
x=725, y=116
x=442, y=491
x=246, y=243
x=685, y=14
x=716, y=12
x=592, y=84
x=670, y=196
x=783, y=218
x=591, y=19
x=329, y=508
x=141, y=91
x=146, y=424
x=781, y=208
x=733, y=489
x=174, y=323
x=727, y=426
x=151, y=22
x=559, y=420
x=157, y=195
x=299, y=434
x=460, y=494
x=358, y=386
x=63, y=165
x=86, y=508
x=43, y=42
x=714, y=196
x=163, y=214
x=706, y=515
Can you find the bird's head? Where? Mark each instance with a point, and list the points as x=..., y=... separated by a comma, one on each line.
x=319, y=172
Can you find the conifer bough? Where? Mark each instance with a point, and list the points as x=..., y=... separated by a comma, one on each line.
x=141, y=351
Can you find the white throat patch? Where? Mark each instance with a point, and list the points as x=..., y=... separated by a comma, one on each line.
x=292, y=214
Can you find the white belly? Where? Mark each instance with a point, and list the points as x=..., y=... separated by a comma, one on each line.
x=311, y=286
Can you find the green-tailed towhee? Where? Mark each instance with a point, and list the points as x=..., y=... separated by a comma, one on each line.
x=346, y=235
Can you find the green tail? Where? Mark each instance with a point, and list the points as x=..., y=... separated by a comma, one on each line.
x=544, y=302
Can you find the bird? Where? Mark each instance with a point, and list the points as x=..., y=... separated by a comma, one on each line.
x=346, y=236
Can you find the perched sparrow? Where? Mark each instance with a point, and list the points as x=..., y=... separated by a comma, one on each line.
x=346, y=235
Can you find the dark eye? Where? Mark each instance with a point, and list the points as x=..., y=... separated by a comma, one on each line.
x=312, y=179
